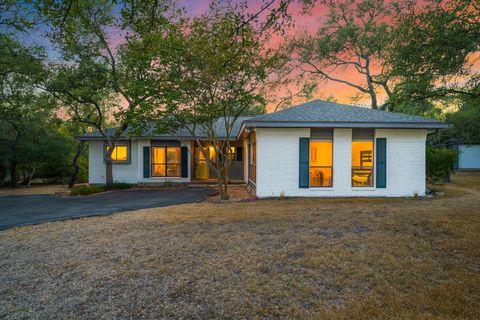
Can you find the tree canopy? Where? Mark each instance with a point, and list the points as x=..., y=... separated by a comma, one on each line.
x=29, y=137
x=206, y=69
x=414, y=54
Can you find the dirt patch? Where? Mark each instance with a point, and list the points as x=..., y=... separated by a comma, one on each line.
x=236, y=193
x=296, y=258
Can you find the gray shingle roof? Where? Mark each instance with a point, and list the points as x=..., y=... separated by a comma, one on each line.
x=319, y=113
x=183, y=133
x=315, y=113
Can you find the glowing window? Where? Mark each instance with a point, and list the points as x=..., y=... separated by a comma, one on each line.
x=119, y=153
x=362, y=161
x=321, y=163
x=166, y=162
x=231, y=153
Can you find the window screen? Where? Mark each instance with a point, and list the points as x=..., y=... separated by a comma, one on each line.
x=321, y=133
x=362, y=134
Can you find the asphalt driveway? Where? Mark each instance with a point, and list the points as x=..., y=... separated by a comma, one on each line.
x=19, y=210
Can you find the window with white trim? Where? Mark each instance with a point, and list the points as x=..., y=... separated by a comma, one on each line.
x=166, y=161
x=362, y=157
x=321, y=157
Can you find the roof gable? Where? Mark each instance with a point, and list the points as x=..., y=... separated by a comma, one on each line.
x=319, y=113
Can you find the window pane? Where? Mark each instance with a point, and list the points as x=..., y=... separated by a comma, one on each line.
x=158, y=155
x=173, y=155
x=199, y=155
x=362, y=163
x=362, y=153
x=211, y=153
x=119, y=153
x=321, y=177
x=158, y=170
x=320, y=153
x=231, y=153
x=173, y=170
x=362, y=177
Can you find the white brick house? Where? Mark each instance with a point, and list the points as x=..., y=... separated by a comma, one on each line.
x=317, y=149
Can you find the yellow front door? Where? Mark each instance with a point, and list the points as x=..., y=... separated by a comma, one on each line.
x=201, y=167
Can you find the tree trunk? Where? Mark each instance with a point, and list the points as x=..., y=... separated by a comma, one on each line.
x=13, y=163
x=225, y=193
x=371, y=87
x=73, y=177
x=109, y=174
x=13, y=174
x=30, y=178
x=387, y=89
x=24, y=177
x=373, y=94
x=222, y=172
x=374, y=100
x=109, y=167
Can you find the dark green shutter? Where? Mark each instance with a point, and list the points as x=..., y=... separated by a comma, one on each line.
x=184, y=162
x=304, y=163
x=146, y=162
x=381, y=163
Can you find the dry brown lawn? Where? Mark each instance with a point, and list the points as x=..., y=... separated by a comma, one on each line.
x=34, y=189
x=297, y=258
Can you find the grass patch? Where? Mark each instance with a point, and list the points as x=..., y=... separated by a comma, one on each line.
x=357, y=258
x=93, y=188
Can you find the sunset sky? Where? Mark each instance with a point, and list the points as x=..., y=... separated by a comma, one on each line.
x=310, y=21
x=302, y=21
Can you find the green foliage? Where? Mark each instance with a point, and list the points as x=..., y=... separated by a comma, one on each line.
x=16, y=15
x=215, y=62
x=34, y=141
x=83, y=190
x=206, y=68
x=87, y=189
x=435, y=40
x=354, y=37
x=418, y=53
x=121, y=185
x=429, y=54
x=440, y=164
x=465, y=123
x=424, y=108
x=96, y=79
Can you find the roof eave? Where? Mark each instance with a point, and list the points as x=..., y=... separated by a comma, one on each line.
x=316, y=124
x=90, y=138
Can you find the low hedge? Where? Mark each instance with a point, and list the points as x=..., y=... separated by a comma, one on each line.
x=86, y=189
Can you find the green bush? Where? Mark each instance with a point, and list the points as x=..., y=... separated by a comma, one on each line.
x=121, y=186
x=440, y=164
x=87, y=189
x=91, y=189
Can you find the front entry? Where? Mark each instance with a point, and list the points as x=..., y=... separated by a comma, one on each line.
x=203, y=171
